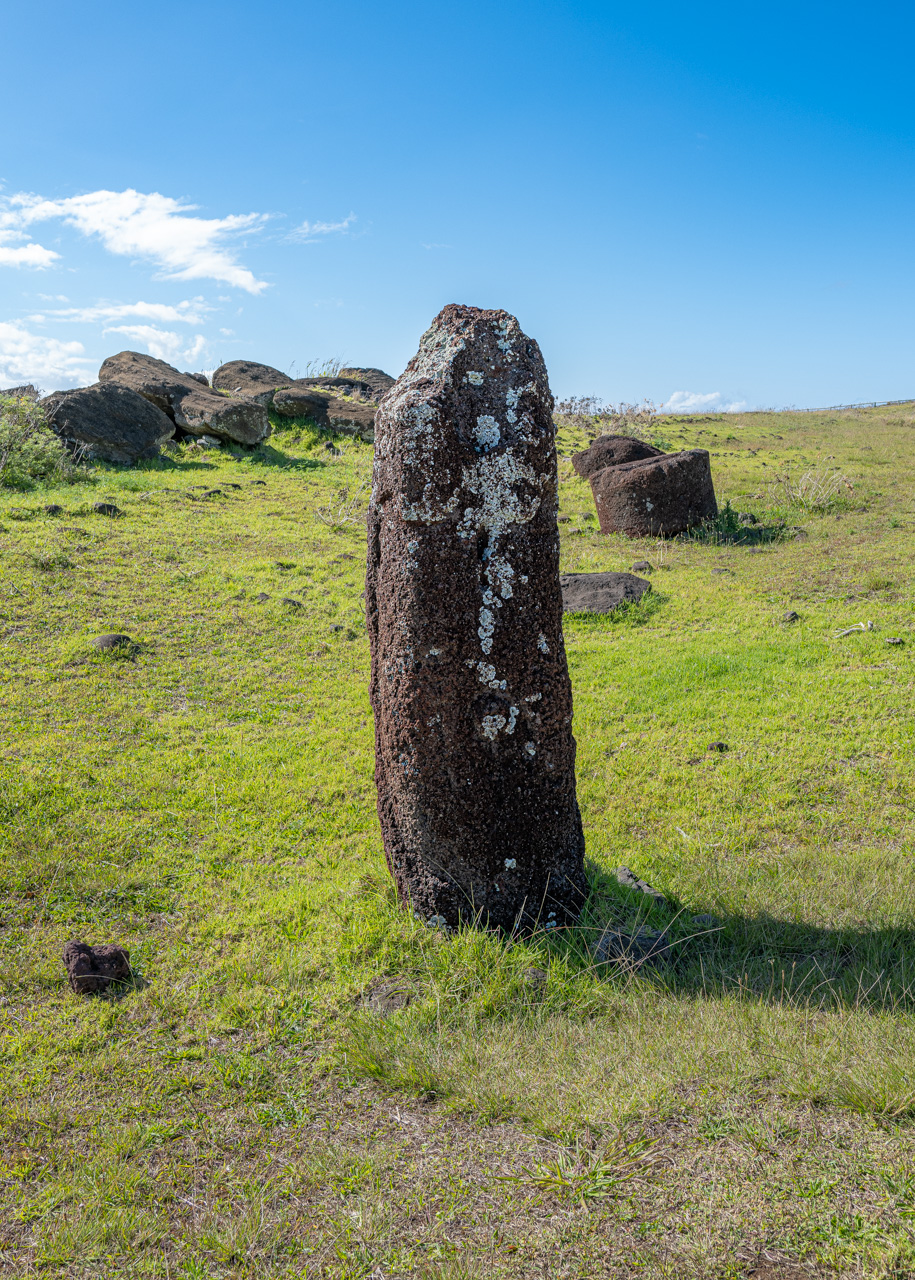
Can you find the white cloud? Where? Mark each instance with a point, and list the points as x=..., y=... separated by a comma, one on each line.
x=32, y=357
x=306, y=231
x=698, y=402
x=162, y=343
x=23, y=255
x=137, y=224
x=191, y=311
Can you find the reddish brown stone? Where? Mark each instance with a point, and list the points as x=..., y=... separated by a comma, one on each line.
x=659, y=496
x=612, y=451
x=475, y=759
x=92, y=969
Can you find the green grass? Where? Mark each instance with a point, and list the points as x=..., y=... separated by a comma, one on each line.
x=206, y=799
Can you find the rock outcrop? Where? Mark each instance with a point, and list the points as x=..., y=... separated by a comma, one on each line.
x=658, y=496
x=612, y=451
x=379, y=381
x=26, y=392
x=475, y=759
x=600, y=592
x=108, y=422
x=195, y=409
x=248, y=378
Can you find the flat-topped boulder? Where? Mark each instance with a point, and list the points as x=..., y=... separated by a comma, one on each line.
x=108, y=422
x=301, y=402
x=248, y=378
x=612, y=451
x=656, y=496
x=600, y=592
x=195, y=409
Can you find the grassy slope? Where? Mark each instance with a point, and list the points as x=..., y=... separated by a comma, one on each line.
x=209, y=803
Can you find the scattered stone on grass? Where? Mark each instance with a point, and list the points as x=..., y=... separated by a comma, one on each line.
x=536, y=979
x=106, y=509
x=475, y=759
x=262, y=597
x=705, y=921
x=746, y=517
x=894, y=640
x=335, y=626
x=212, y=493
x=52, y=509
x=665, y=495
x=612, y=451
x=293, y=604
x=643, y=566
x=630, y=880
x=600, y=592
x=718, y=746
x=263, y=482
x=791, y=616
x=722, y=571
x=386, y=995
x=112, y=640
x=209, y=442
x=640, y=946
x=91, y=969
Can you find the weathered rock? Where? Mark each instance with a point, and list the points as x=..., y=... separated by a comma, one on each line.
x=612, y=451
x=199, y=377
x=633, y=948
x=301, y=402
x=26, y=392
x=791, y=616
x=107, y=509
x=112, y=640
x=53, y=509
x=474, y=754
x=658, y=496
x=600, y=592
x=108, y=421
x=629, y=880
x=352, y=417
x=248, y=378
x=379, y=381
x=93, y=969
x=195, y=409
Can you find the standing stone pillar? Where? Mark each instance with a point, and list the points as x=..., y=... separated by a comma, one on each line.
x=474, y=754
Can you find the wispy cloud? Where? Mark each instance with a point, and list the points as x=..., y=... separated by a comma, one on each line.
x=29, y=254
x=33, y=357
x=306, y=232
x=698, y=401
x=145, y=225
x=162, y=343
x=191, y=311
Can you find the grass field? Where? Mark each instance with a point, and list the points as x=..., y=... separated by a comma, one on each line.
x=304, y=1081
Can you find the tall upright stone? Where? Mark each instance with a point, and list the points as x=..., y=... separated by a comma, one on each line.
x=474, y=754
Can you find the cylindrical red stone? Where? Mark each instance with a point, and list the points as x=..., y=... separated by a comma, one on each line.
x=474, y=754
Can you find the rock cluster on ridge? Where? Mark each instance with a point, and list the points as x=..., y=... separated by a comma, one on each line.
x=475, y=758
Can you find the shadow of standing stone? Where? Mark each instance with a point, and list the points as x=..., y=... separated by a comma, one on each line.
x=475, y=759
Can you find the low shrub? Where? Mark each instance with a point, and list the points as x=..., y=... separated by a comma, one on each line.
x=30, y=452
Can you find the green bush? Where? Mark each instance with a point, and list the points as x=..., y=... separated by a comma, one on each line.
x=30, y=452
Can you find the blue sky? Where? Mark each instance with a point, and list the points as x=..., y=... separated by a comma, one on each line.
x=676, y=200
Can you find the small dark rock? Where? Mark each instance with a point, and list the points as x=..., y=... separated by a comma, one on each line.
x=335, y=626
x=114, y=640
x=600, y=592
x=643, y=566
x=641, y=946
x=262, y=597
x=721, y=571
x=93, y=969
x=746, y=517
x=293, y=604
x=718, y=746
x=259, y=482
x=704, y=921
x=212, y=493
x=386, y=996
x=791, y=616
x=630, y=880
x=894, y=640
x=536, y=979
x=52, y=509
x=230, y=485
x=106, y=509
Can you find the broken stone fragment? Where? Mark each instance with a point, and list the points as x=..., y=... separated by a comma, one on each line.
x=475, y=759
x=93, y=969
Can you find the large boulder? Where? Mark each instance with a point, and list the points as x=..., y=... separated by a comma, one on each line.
x=474, y=753
x=195, y=409
x=379, y=381
x=600, y=592
x=301, y=402
x=657, y=496
x=248, y=378
x=108, y=422
x=612, y=451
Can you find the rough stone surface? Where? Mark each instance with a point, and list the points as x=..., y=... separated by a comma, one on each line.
x=248, y=378
x=93, y=969
x=629, y=880
x=196, y=409
x=109, y=422
x=633, y=948
x=352, y=417
x=612, y=451
x=112, y=640
x=600, y=592
x=301, y=402
x=658, y=496
x=379, y=381
x=107, y=509
x=474, y=754
x=26, y=392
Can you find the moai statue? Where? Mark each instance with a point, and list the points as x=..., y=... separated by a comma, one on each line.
x=474, y=754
